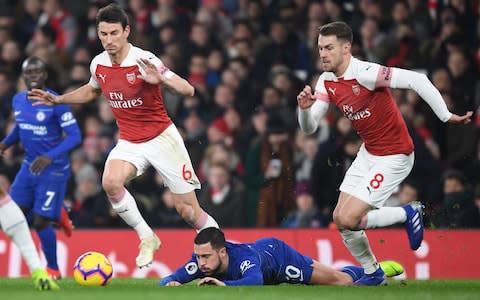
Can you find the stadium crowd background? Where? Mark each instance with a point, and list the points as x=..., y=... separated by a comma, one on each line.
x=248, y=59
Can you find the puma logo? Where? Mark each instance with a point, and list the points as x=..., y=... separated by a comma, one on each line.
x=332, y=90
x=102, y=77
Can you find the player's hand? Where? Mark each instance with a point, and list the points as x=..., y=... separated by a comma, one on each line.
x=39, y=164
x=465, y=119
x=3, y=147
x=305, y=98
x=211, y=281
x=153, y=75
x=42, y=97
x=173, y=283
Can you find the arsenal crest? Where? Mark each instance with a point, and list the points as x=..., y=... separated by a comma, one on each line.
x=131, y=77
x=356, y=89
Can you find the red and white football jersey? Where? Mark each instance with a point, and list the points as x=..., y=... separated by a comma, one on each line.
x=363, y=96
x=138, y=106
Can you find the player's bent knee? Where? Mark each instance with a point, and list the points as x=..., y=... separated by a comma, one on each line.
x=40, y=223
x=346, y=222
x=112, y=186
x=336, y=219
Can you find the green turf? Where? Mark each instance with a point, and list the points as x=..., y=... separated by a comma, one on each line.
x=140, y=289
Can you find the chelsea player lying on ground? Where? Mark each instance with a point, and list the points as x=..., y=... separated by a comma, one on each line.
x=268, y=261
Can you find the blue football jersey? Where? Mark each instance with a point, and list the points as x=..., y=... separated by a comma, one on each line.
x=44, y=130
x=267, y=261
x=281, y=263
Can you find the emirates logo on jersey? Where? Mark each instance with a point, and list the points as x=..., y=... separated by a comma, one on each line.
x=356, y=89
x=131, y=77
x=355, y=116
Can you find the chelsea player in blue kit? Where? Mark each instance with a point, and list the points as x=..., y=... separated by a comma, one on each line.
x=47, y=135
x=268, y=261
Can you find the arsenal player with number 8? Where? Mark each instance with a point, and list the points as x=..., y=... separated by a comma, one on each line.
x=131, y=80
x=361, y=90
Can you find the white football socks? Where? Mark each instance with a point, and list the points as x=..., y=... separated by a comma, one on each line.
x=385, y=216
x=127, y=209
x=357, y=243
x=14, y=225
x=204, y=221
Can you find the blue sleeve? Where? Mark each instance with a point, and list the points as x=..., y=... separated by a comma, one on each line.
x=13, y=137
x=186, y=273
x=69, y=125
x=251, y=273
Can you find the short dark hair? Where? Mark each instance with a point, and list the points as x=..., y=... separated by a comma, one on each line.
x=211, y=235
x=33, y=60
x=339, y=29
x=112, y=13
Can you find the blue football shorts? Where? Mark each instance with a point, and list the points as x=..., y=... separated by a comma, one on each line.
x=43, y=194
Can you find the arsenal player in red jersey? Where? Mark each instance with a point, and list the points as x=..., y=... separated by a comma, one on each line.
x=361, y=90
x=131, y=80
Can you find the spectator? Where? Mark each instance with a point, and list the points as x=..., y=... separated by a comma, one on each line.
x=224, y=197
x=61, y=20
x=195, y=136
x=6, y=93
x=91, y=208
x=458, y=209
x=164, y=214
x=306, y=215
x=270, y=178
x=220, y=153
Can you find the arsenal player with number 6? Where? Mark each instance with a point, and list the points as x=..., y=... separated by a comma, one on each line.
x=131, y=80
x=361, y=90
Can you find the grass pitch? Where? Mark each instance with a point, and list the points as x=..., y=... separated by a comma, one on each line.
x=140, y=289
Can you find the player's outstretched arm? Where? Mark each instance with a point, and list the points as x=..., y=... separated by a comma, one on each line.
x=418, y=82
x=406, y=79
x=162, y=75
x=81, y=95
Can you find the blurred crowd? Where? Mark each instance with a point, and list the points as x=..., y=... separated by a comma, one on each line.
x=248, y=59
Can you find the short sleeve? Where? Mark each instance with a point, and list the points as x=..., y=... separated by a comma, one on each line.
x=93, y=78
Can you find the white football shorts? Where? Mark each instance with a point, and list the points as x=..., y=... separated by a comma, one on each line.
x=373, y=178
x=167, y=154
